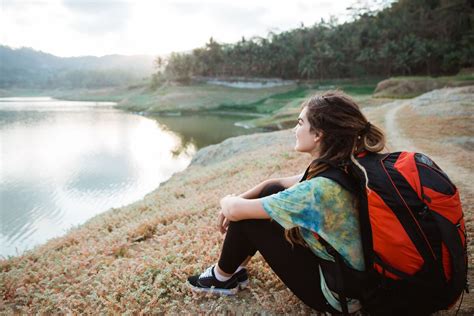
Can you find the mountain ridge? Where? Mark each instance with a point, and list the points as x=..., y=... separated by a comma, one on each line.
x=29, y=68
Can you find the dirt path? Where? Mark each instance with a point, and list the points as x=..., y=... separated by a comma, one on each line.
x=401, y=141
x=398, y=140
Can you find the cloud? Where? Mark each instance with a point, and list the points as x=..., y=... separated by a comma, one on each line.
x=98, y=16
x=229, y=21
x=225, y=22
x=229, y=13
x=99, y=27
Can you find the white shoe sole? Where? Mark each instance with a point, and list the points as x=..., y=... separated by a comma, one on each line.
x=213, y=290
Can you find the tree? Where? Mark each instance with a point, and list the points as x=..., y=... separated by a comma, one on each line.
x=307, y=66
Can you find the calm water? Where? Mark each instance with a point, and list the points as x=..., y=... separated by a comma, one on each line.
x=63, y=162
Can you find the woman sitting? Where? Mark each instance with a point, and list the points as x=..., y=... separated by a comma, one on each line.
x=290, y=220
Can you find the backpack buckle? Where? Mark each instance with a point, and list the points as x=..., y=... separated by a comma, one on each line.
x=425, y=211
x=425, y=197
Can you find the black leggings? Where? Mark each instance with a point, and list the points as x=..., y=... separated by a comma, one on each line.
x=295, y=265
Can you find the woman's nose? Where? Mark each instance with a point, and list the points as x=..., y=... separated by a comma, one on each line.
x=294, y=129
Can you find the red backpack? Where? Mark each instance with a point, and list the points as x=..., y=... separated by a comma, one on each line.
x=413, y=236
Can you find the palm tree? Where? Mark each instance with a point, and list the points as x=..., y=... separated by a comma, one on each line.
x=307, y=66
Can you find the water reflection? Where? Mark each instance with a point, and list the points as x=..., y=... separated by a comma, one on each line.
x=105, y=171
x=64, y=162
x=202, y=130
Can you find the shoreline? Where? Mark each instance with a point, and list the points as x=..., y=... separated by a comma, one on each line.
x=110, y=105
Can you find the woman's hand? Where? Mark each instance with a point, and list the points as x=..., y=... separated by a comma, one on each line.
x=222, y=221
x=234, y=208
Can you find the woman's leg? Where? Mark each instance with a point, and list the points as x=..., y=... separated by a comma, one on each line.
x=242, y=251
x=295, y=265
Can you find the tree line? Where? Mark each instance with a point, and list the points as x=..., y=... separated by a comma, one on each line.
x=68, y=79
x=410, y=37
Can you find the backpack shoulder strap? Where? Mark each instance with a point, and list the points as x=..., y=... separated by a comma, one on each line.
x=340, y=177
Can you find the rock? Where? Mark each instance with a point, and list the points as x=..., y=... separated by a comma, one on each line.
x=237, y=145
x=407, y=88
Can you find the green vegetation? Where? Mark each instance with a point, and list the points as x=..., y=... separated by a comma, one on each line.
x=193, y=97
x=285, y=117
x=359, y=90
x=410, y=37
x=268, y=104
x=282, y=109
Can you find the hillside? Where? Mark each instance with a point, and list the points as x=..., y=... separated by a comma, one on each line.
x=409, y=87
x=28, y=68
x=136, y=258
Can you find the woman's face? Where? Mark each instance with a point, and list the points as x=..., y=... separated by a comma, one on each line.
x=306, y=140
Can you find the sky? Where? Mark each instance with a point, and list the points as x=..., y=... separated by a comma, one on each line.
x=101, y=27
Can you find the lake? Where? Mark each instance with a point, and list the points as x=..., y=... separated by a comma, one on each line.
x=63, y=162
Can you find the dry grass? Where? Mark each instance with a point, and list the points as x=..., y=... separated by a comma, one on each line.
x=409, y=87
x=450, y=135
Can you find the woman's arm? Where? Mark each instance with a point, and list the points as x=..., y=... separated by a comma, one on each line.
x=235, y=208
x=285, y=182
x=246, y=205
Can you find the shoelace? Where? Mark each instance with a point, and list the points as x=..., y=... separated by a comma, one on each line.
x=207, y=273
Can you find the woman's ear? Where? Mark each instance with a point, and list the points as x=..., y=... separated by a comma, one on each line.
x=317, y=136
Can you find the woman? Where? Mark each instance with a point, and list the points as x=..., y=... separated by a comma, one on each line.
x=307, y=213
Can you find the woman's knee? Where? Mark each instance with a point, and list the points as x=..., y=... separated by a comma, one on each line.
x=255, y=227
x=249, y=223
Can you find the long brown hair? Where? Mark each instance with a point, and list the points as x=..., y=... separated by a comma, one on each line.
x=346, y=132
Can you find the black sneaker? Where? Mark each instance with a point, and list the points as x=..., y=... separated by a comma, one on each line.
x=242, y=278
x=207, y=282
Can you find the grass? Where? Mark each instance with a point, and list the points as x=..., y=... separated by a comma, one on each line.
x=198, y=97
x=267, y=104
x=284, y=115
x=361, y=90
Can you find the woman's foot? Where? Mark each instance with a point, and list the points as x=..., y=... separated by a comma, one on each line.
x=207, y=282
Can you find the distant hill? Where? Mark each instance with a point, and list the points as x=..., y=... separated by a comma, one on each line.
x=28, y=68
